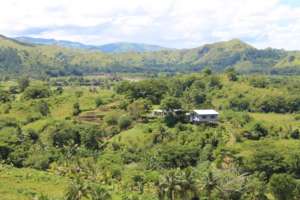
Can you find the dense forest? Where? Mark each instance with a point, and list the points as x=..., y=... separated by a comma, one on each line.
x=94, y=137
x=45, y=60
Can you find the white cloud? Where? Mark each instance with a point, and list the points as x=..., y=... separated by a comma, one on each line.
x=174, y=23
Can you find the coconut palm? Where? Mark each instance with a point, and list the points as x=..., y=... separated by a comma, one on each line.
x=179, y=184
x=100, y=193
x=169, y=186
x=77, y=190
x=187, y=179
x=209, y=183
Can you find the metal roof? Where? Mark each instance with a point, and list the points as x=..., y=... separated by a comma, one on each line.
x=206, y=112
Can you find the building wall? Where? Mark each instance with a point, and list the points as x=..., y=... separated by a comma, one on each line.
x=203, y=118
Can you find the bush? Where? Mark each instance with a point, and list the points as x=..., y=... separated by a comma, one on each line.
x=258, y=82
x=65, y=135
x=215, y=82
x=43, y=108
x=256, y=131
x=76, y=109
x=23, y=83
x=124, y=122
x=38, y=160
x=112, y=118
x=4, y=96
x=98, y=102
x=282, y=186
x=36, y=92
x=178, y=156
x=139, y=108
x=239, y=103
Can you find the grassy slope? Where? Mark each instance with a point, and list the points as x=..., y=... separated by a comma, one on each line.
x=16, y=184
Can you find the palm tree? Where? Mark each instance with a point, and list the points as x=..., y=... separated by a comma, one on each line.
x=209, y=184
x=189, y=184
x=181, y=184
x=169, y=186
x=77, y=190
x=100, y=193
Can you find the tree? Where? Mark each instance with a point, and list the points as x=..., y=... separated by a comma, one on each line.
x=215, y=82
x=169, y=186
x=124, y=122
x=77, y=190
x=170, y=104
x=207, y=71
x=232, y=75
x=112, y=118
x=36, y=92
x=209, y=184
x=98, y=101
x=255, y=189
x=282, y=186
x=43, y=108
x=99, y=193
x=4, y=96
x=178, y=184
x=76, y=109
x=139, y=108
x=23, y=83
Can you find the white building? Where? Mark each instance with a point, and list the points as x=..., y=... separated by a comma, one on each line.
x=203, y=116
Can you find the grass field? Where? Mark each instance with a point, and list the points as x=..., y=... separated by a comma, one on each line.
x=25, y=184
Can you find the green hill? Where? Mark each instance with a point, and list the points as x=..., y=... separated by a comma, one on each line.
x=21, y=58
x=119, y=47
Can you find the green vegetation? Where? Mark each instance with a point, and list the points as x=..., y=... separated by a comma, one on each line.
x=18, y=58
x=80, y=138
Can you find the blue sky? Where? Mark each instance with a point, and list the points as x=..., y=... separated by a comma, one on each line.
x=170, y=23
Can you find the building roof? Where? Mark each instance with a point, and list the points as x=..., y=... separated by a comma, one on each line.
x=158, y=110
x=206, y=112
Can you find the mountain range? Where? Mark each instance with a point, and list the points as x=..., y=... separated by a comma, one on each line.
x=18, y=58
x=119, y=47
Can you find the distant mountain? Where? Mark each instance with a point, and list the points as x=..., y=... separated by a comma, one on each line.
x=123, y=47
x=120, y=47
x=19, y=58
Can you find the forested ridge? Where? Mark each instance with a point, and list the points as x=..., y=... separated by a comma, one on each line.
x=41, y=60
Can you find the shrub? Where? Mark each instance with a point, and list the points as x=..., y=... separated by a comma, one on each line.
x=98, y=101
x=4, y=96
x=178, y=156
x=124, y=122
x=256, y=131
x=112, y=118
x=43, y=108
x=65, y=135
x=282, y=186
x=23, y=83
x=139, y=108
x=38, y=160
x=259, y=82
x=76, y=109
x=36, y=92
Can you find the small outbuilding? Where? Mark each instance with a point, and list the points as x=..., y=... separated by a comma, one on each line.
x=158, y=113
x=203, y=116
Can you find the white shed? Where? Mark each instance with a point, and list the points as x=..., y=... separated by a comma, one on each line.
x=206, y=116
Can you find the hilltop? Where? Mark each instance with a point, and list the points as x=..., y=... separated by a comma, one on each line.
x=23, y=58
x=120, y=47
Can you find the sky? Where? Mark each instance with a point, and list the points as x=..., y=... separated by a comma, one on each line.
x=169, y=23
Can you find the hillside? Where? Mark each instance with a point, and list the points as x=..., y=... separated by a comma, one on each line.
x=22, y=58
x=60, y=138
x=120, y=47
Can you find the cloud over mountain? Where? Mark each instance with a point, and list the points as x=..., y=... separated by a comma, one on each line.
x=172, y=23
